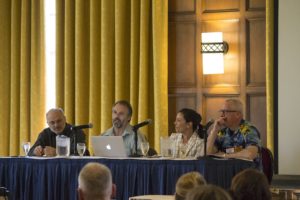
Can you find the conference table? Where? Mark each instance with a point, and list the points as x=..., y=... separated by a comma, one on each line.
x=56, y=178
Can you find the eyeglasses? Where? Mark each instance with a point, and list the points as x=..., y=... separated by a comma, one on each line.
x=227, y=111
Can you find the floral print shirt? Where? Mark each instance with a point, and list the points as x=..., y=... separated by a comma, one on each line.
x=246, y=135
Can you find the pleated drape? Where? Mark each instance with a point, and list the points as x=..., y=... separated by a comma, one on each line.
x=22, y=74
x=270, y=72
x=110, y=50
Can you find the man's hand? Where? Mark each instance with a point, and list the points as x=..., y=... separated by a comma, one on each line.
x=49, y=151
x=217, y=125
x=38, y=151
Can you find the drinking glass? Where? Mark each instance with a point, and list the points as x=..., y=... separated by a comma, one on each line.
x=145, y=148
x=62, y=145
x=167, y=147
x=26, y=147
x=81, y=148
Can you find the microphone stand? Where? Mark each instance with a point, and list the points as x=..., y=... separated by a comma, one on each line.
x=74, y=142
x=136, y=143
x=203, y=132
x=74, y=132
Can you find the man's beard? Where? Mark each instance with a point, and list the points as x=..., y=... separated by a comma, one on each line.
x=117, y=123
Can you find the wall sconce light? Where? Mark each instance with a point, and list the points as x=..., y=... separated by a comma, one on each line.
x=213, y=49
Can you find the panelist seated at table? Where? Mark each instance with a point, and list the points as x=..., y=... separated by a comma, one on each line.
x=187, y=143
x=121, y=116
x=95, y=182
x=233, y=137
x=45, y=144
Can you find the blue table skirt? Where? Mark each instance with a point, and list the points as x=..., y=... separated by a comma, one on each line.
x=56, y=178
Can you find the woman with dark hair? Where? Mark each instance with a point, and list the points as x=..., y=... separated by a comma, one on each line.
x=187, y=143
x=250, y=184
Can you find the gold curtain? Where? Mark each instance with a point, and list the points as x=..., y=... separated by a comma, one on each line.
x=22, y=73
x=110, y=50
x=270, y=72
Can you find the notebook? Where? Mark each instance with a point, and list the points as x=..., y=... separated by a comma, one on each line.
x=108, y=146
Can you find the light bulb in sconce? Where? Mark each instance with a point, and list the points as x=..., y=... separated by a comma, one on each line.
x=213, y=49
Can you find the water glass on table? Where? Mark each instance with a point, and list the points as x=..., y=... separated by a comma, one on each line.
x=81, y=148
x=62, y=146
x=167, y=147
x=26, y=147
x=145, y=148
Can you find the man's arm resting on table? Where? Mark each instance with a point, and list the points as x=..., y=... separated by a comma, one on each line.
x=211, y=148
x=250, y=152
x=47, y=151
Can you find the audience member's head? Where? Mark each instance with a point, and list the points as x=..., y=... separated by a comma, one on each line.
x=250, y=184
x=207, y=192
x=94, y=182
x=186, y=182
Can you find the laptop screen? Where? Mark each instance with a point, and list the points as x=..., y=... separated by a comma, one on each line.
x=108, y=146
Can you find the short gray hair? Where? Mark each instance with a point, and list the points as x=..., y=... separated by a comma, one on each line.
x=95, y=181
x=235, y=104
x=55, y=110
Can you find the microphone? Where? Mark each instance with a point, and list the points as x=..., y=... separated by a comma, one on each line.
x=141, y=124
x=209, y=123
x=90, y=125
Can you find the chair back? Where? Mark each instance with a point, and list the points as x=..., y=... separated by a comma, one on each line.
x=4, y=193
x=267, y=163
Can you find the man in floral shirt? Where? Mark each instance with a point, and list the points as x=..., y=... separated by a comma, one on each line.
x=233, y=137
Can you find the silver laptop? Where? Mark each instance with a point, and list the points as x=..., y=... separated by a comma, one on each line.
x=108, y=146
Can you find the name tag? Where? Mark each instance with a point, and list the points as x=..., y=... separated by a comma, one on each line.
x=233, y=149
x=230, y=150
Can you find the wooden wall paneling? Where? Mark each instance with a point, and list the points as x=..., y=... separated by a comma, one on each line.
x=182, y=59
x=230, y=29
x=256, y=68
x=177, y=102
x=256, y=112
x=243, y=25
x=222, y=90
x=256, y=52
x=255, y=5
x=214, y=6
x=182, y=6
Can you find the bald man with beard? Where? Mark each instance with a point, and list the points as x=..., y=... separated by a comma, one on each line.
x=45, y=144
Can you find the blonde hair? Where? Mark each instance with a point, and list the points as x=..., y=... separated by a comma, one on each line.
x=95, y=181
x=186, y=182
